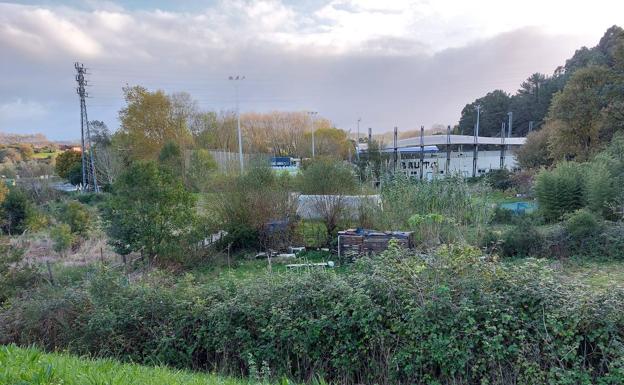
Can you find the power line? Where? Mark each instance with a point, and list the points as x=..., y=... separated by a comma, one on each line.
x=89, y=178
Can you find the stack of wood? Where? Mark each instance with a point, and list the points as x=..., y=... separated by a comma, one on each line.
x=354, y=242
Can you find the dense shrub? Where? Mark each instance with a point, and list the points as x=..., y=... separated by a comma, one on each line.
x=62, y=238
x=502, y=216
x=67, y=162
x=582, y=225
x=561, y=190
x=522, y=240
x=450, y=319
x=499, y=179
x=77, y=216
x=250, y=203
x=15, y=211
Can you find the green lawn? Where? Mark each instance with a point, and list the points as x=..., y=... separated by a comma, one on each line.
x=20, y=366
x=44, y=155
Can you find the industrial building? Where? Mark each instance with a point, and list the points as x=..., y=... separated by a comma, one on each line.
x=426, y=157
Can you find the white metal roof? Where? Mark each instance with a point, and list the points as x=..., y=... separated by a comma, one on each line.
x=436, y=140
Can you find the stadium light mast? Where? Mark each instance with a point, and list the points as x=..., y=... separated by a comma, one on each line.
x=312, y=115
x=236, y=80
x=357, y=140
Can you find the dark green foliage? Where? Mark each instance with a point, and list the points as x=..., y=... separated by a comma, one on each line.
x=499, y=179
x=172, y=159
x=151, y=212
x=494, y=108
x=15, y=211
x=91, y=199
x=583, y=228
x=74, y=174
x=67, y=162
x=561, y=190
x=582, y=224
x=456, y=319
x=502, y=216
x=522, y=240
x=605, y=180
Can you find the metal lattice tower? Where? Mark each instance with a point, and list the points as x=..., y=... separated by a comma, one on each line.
x=89, y=178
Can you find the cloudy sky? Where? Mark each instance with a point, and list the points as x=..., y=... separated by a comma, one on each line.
x=391, y=62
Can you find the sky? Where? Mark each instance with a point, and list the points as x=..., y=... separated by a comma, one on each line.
x=402, y=63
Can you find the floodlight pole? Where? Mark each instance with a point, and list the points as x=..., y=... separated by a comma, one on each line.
x=238, y=127
x=312, y=115
x=357, y=140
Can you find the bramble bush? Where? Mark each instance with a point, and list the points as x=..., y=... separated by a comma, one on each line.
x=451, y=318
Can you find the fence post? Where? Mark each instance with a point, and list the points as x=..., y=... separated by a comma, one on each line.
x=50, y=277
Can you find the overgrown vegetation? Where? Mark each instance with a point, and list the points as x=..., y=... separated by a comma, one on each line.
x=398, y=318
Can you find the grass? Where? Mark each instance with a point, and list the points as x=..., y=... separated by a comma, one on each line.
x=241, y=269
x=44, y=155
x=30, y=366
x=598, y=275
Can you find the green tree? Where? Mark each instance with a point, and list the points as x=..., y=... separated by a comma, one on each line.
x=151, y=212
x=534, y=153
x=575, y=114
x=605, y=178
x=494, y=109
x=149, y=120
x=67, y=162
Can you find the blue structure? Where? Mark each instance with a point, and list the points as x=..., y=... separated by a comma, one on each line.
x=281, y=161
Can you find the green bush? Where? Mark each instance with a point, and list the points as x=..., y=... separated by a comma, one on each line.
x=582, y=225
x=249, y=204
x=522, y=240
x=77, y=216
x=502, y=216
x=561, y=190
x=62, y=238
x=400, y=319
x=15, y=211
x=499, y=179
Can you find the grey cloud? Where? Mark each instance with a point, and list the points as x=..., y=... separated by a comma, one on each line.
x=389, y=81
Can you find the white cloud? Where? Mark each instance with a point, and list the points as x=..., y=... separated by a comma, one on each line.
x=19, y=109
x=401, y=61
